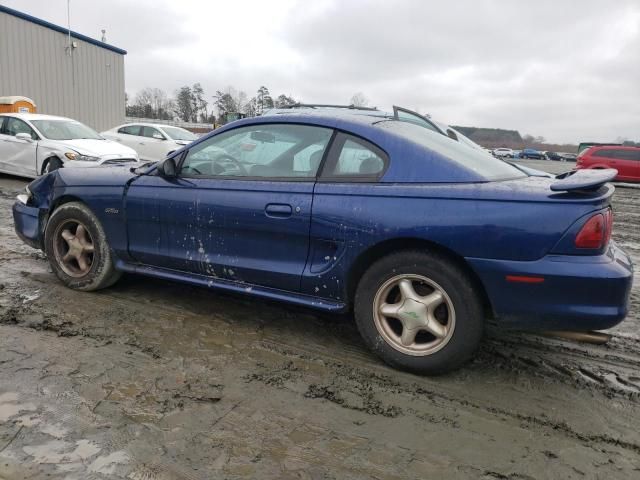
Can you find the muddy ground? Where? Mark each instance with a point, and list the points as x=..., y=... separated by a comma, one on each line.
x=153, y=380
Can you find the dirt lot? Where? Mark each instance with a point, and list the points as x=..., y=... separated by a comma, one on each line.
x=152, y=380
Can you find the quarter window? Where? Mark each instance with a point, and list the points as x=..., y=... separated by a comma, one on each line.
x=268, y=151
x=353, y=157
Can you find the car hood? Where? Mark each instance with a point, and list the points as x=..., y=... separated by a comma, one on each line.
x=103, y=176
x=96, y=148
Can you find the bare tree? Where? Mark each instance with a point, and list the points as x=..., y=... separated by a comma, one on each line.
x=359, y=100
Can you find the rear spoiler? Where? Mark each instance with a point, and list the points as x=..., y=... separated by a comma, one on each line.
x=583, y=180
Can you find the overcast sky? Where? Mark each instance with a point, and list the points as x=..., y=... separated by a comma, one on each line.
x=566, y=70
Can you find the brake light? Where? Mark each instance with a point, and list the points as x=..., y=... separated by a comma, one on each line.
x=596, y=232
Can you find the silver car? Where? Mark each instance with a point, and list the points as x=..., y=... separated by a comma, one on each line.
x=33, y=144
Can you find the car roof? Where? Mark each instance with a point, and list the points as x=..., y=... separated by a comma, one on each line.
x=614, y=147
x=35, y=116
x=146, y=124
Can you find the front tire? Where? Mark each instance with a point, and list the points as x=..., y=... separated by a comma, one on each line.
x=419, y=312
x=77, y=248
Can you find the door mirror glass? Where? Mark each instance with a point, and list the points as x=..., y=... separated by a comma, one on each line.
x=167, y=168
x=24, y=136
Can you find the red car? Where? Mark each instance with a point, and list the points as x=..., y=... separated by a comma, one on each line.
x=624, y=159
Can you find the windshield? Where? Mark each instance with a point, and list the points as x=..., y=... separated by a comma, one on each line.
x=176, y=133
x=65, y=130
x=473, y=159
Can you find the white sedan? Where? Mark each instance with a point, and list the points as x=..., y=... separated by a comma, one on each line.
x=151, y=141
x=33, y=144
x=503, y=152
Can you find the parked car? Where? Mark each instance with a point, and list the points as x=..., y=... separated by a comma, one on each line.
x=152, y=141
x=568, y=157
x=554, y=156
x=517, y=153
x=33, y=144
x=421, y=236
x=503, y=152
x=626, y=160
x=532, y=153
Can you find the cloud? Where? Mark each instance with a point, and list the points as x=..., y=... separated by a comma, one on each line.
x=554, y=68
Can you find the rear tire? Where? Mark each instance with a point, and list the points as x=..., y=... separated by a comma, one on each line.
x=419, y=311
x=77, y=248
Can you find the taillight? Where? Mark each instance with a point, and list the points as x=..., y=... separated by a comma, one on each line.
x=596, y=233
x=608, y=219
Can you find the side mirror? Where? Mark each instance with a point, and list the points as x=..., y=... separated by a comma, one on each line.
x=167, y=168
x=158, y=136
x=24, y=136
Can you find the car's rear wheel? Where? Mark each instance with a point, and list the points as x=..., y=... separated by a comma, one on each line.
x=419, y=312
x=77, y=248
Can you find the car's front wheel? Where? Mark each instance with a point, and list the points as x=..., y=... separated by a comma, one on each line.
x=77, y=248
x=419, y=312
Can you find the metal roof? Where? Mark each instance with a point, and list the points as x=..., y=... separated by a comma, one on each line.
x=57, y=28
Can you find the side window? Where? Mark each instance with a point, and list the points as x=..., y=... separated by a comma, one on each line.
x=604, y=153
x=263, y=151
x=3, y=120
x=627, y=154
x=151, y=132
x=355, y=158
x=130, y=130
x=14, y=126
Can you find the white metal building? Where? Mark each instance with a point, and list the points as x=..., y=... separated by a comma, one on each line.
x=65, y=73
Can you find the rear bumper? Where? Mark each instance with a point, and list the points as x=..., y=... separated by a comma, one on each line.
x=29, y=224
x=577, y=293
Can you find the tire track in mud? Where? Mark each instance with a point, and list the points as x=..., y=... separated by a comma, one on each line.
x=363, y=379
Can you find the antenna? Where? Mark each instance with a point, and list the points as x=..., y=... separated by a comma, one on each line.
x=104, y=36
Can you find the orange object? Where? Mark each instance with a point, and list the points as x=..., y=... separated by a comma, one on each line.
x=17, y=104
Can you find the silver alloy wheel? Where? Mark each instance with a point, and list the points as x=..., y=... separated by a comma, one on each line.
x=414, y=314
x=73, y=248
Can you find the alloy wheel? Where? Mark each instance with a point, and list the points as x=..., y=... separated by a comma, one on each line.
x=73, y=248
x=414, y=314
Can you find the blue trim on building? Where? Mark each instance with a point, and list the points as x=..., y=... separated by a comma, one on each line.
x=57, y=28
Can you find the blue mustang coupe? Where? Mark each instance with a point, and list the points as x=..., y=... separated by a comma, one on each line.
x=420, y=235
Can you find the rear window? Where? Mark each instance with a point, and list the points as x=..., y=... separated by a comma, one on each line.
x=478, y=161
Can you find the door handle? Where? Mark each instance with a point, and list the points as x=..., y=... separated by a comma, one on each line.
x=278, y=210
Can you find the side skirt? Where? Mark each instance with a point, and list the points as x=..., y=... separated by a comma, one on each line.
x=231, y=286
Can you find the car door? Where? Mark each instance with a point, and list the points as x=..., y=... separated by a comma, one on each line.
x=239, y=208
x=153, y=144
x=628, y=163
x=18, y=155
